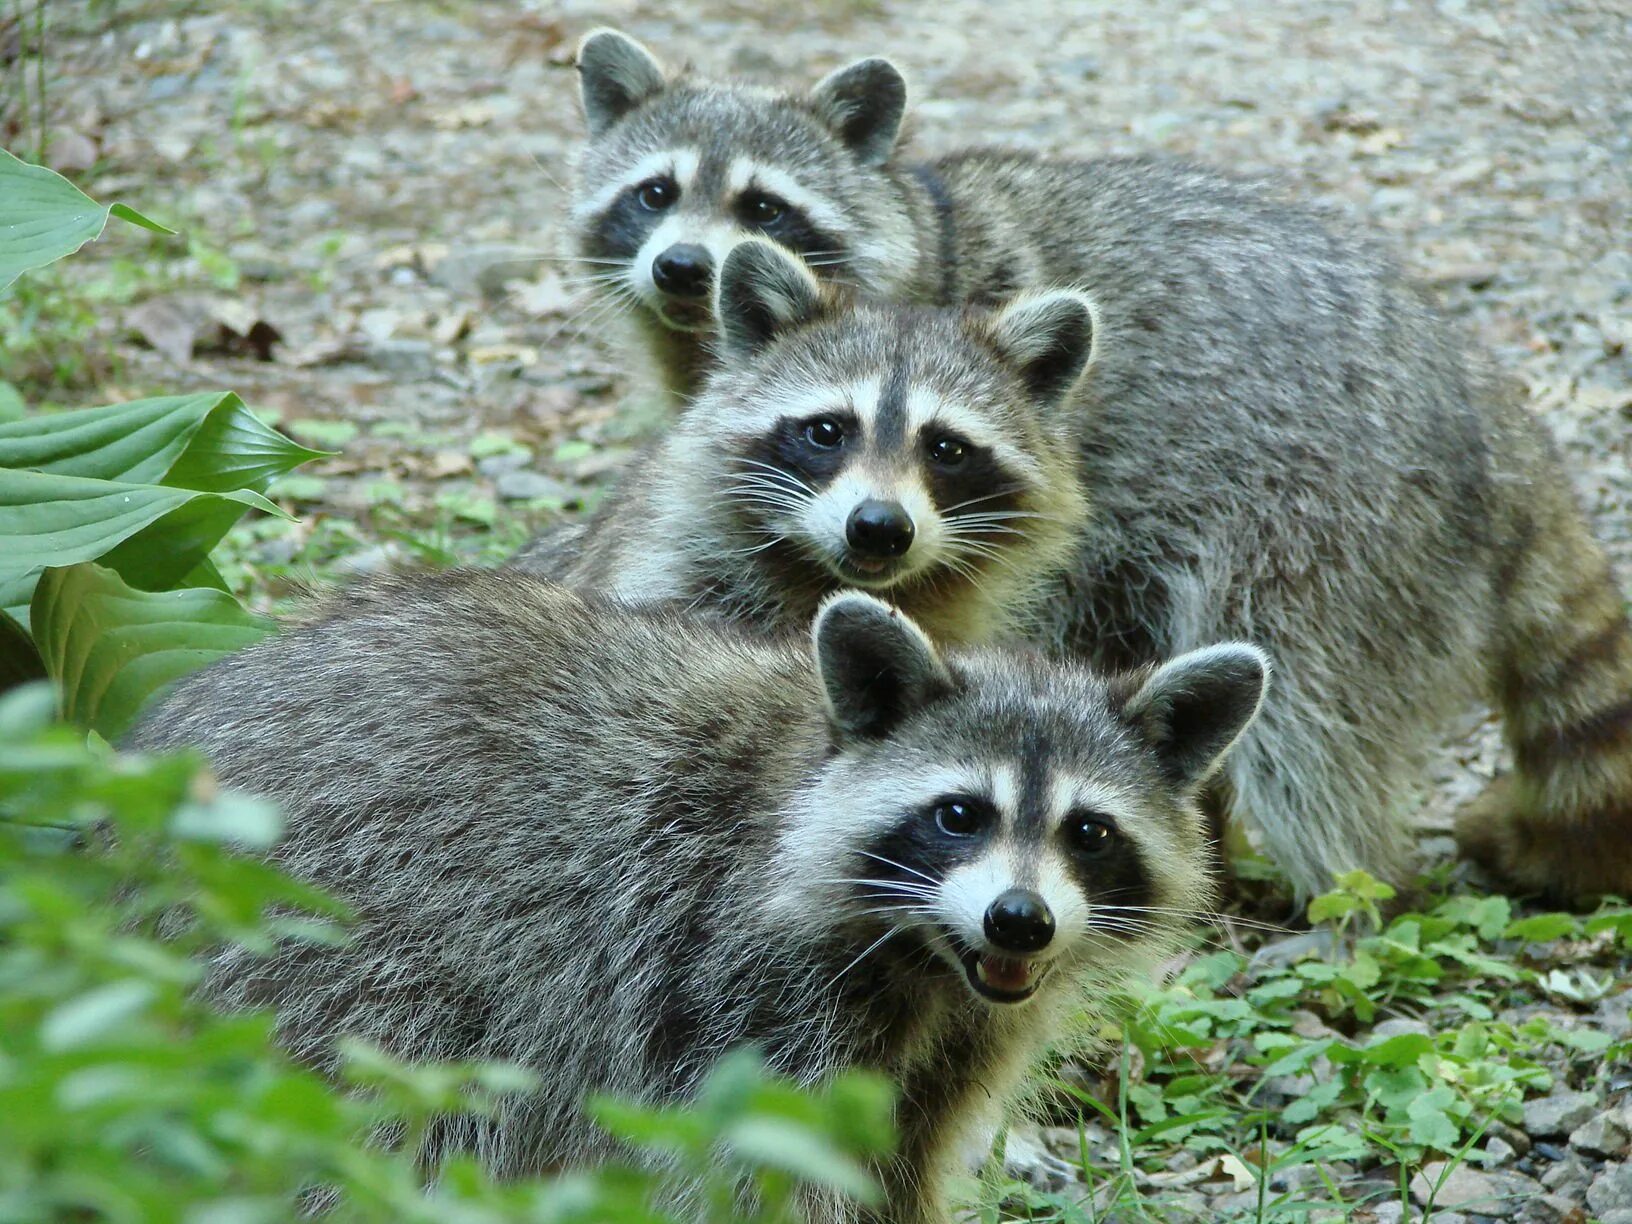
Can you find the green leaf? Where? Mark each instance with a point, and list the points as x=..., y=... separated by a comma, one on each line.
x=1431, y=1126
x=1540, y=928
x=208, y=441
x=151, y=534
x=12, y=407
x=44, y=217
x=82, y=1020
x=111, y=648
x=780, y=1144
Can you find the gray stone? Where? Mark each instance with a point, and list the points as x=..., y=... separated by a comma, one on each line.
x=1611, y=1190
x=1391, y=1211
x=495, y=466
x=1492, y=1194
x=1398, y=1027
x=525, y=486
x=1497, y=1152
x=1560, y=1113
x=403, y=358
x=1552, y=1209
x=1568, y=1177
x=1606, y=1135
x=482, y=269
x=1619, y=1215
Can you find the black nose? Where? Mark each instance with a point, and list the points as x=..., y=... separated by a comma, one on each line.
x=1019, y=921
x=682, y=270
x=879, y=529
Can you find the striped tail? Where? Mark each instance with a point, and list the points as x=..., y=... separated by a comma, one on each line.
x=1561, y=823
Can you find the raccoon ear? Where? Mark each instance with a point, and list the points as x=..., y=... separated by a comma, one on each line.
x=763, y=291
x=863, y=104
x=875, y=665
x=1193, y=708
x=1048, y=338
x=615, y=75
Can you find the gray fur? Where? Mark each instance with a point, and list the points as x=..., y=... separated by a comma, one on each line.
x=1276, y=441
x=610, y=844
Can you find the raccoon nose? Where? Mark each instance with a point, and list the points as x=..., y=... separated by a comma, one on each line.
x=682, y=270
x=1019, y=921
x=879, y=529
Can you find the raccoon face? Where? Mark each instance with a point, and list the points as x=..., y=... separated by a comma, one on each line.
x=677, y=172
x=1016, y=819
x=886, y=448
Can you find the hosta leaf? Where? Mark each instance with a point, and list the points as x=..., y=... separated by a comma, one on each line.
x=208, y=441
x=111, y=647
x=44, y=217
x=152, y=535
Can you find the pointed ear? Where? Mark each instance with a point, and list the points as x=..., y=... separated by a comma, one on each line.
x=615, y=75
x=1192, y=709
x=863, y=104
x=1048, y=338
x=763, y=291
x=875, y=665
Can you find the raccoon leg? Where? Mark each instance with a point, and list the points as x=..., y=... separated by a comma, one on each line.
x=1562, y=823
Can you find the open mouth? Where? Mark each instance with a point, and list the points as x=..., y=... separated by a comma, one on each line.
x=685, y=317
x=868, y=571
x=1002, y=979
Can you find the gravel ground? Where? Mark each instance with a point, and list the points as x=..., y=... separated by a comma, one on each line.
x=388, y=178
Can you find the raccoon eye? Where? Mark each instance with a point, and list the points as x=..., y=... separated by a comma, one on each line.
x=1092, y=835
x=948, y=452
x=761, y=209
x=824, y=432
x=959, y=817
x=657, y=194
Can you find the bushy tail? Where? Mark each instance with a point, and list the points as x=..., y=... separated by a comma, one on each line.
x=1562, y=822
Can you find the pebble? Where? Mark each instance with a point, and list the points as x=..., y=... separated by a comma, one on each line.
x=1552, y=1209
x=1569, y=1177
x=526, y=486
x=1399, y=1027
x=1492, y=1194
x=1611, y=1190
x=1606, y=1135
x=1560, y=1113
x=1497, y=1152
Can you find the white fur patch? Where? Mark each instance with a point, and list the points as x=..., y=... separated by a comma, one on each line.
x=968, y=892
x=678, y=164
x=716, y=237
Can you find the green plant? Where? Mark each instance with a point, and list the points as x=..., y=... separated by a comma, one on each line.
x=109, y=514
x=123, y=1097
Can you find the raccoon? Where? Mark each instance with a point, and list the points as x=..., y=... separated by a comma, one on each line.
x=676, y=170
x=610, y=844
x=1399, y=534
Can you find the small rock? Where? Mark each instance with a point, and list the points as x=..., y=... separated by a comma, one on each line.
x=1611, y=1190
x=1553, y=1209
x=1390, y=1212
x=1619, y=1215
x=1497, y=1152
x=1493, y=1194
x=495, y=466
x=1568, y=1177
x=1560, y=1113
x=482, y=268
x=1398, y=1027
x=525, y=486
x=404, y=358
x=1606, y=1135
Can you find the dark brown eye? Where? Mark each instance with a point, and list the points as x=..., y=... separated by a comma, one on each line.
x=959, y=817
x=761, y=209
x=657, y=194
x=1091, y=834
x=824, y=432
x=948, y=452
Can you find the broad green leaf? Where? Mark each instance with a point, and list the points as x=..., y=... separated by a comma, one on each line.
x=11, y=403
x=152, y=535
x=111, y=647
x=1541, y=928
x=44, y=217
x=208, y=441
